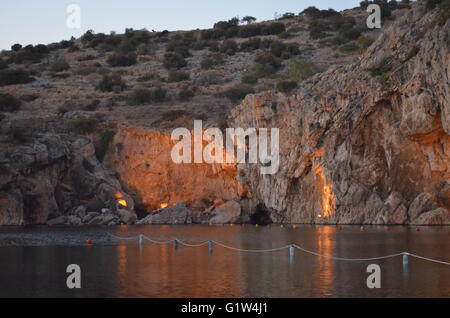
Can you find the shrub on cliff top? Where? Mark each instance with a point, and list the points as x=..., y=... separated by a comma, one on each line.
x=9, y=103
x=229, y=47
x=85, y=125
x=186, y=95
x=59, y=64
x=121, y=59
x=178, y=76
x=211, y=61
x=265, y=64
x=238, y=92
x=3, y=64
x=274, y=28
x=141, y=96
x=110, y=83
x=174, y=61
x=299, y=70
x=286, y=86
x=14, y=76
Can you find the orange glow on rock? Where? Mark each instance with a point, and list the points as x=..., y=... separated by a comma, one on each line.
x=164, y=205
x=328, y=197
x=123, y=203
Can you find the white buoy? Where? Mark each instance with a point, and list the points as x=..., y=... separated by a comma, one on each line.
x=175, y=243
x=292, y=254
x=210, y=247
x=141, y=239
x=405, y=259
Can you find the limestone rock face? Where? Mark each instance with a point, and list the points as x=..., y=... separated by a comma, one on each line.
x=127, y=217
x=51, y=175
x=143, y=161
x=227, y=213
x=436, y=217
x=177, y=214
x=359, y=149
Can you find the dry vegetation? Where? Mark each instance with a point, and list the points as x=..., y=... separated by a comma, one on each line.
x=150, y=78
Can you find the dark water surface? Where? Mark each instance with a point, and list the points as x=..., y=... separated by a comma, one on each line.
x=33, y=262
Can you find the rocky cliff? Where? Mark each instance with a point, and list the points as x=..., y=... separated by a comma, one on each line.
x=142, y=158
x=365, y=143
x=54, y=175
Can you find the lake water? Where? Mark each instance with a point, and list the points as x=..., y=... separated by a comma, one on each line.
x=33, y=262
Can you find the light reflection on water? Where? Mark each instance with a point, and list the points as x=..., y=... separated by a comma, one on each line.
x=130, y=270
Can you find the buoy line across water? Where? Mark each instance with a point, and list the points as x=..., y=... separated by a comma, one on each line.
x=143, y=238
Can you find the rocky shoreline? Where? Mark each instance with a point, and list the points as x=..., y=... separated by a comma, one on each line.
x=219, y=213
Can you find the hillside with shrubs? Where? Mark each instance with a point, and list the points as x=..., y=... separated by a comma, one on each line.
x=167, y=79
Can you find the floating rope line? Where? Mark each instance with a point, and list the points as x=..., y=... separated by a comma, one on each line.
x=348, y=259
x=429, y=259
x=405, y=255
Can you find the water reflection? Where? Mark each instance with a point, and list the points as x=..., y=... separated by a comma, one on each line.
x=130, y=270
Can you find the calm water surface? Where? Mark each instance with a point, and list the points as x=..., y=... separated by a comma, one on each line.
x=33, y=262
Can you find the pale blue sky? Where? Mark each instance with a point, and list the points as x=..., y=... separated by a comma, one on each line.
x=44, y=21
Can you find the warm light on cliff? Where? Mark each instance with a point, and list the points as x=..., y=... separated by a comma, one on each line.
x=120, y=200
x=164, y=205
x=328, y=197
x=328, y=200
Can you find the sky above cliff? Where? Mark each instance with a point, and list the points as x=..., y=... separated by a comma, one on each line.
x=44, y=21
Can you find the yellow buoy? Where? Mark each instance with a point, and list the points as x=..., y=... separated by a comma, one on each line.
x=282, y=226
x=257, y=225
x=362, y=228
x=294, y=226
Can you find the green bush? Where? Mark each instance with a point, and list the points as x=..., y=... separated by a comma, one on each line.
x=382, y=70
x=248, y=19
x=9, y=103
x=299, y=70
x=186, y=95
x=85, y=125
x=237, y=93
x=209, y=78
x=365, y=41
x=274, y=28
x=287, y=15
x=431, y=4
x=59, y=64
x=319, y=14
x=249, y=31
x=349, y=48
x=249, y=79
x=265, y=64
x=211, y=61
x=414, y=51
x=14, y=76
x=286, y=86
x=30, y=54
x=174, y=61
x=179, y=46
x=141, y=96
x=148, y=77
x=122, y=59
x=178, y=76
x=16, y=47
x=229, y=47
x=110, y=83
x=251, y=45
x=3, y=64
x=444, y=14
x=212, y=34
x=317, y=30
x=92, y=106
